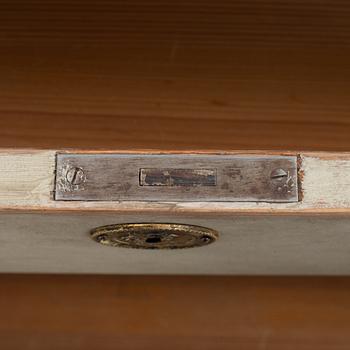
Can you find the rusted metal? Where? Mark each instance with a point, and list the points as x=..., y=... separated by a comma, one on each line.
x=154, y=235
x=169, y=177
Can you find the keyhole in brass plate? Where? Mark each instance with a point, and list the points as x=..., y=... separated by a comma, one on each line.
x=154, y=235
x=153, y=239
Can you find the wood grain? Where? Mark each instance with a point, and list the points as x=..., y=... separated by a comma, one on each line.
x=88, y=312
x=175, y=74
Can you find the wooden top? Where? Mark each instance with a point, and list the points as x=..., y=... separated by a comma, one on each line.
x=175, y=74
x=134, y=313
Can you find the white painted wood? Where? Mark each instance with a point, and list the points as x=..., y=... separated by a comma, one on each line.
x=27, y=182
x=326, y=183
x=248, y=245
x=26, y=178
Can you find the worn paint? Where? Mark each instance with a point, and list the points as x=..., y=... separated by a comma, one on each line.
x=27, y=183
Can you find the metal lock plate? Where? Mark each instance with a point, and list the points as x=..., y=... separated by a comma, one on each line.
x=169, y=177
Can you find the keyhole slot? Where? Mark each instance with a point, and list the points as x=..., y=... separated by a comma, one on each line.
x=153, y=239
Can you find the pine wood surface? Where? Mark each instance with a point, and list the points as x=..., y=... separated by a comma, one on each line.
x=88, y=312
x=174, y=75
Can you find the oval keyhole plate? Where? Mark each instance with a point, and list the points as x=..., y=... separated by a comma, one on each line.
x=154, y=235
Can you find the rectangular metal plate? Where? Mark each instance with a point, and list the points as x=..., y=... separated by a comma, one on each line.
x=169, y=177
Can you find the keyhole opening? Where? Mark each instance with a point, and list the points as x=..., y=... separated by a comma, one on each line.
x=153, y=239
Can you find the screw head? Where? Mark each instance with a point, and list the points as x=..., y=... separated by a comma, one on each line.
x=206, y=239
x=103, y=239
x=75, y=176
x=279, y=174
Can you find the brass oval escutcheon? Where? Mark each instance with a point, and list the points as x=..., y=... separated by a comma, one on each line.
x=154, y=235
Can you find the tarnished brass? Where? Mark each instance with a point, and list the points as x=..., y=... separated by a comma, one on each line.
x=154, y=235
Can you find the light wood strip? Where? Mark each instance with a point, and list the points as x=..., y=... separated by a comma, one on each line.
x=27, y=183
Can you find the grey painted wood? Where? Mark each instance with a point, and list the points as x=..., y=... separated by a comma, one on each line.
x=247, y=245
x=128, y=177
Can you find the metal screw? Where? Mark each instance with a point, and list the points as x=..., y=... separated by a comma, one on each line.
x=75, y=176
x=205, y=239
x=103, y=239
x=278, y=174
